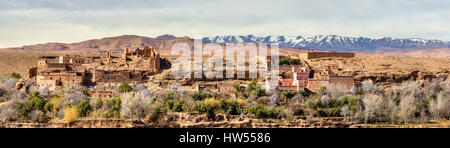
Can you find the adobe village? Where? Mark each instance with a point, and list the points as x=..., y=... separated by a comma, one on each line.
x=135, y=88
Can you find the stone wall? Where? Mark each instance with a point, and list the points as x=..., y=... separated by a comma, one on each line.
x=315, y=55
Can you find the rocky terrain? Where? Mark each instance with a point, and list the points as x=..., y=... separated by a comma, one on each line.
x=182, y=120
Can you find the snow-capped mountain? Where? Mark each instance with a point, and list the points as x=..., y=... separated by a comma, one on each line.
x=337, y=43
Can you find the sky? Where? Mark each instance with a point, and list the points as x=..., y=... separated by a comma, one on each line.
x=28, y=22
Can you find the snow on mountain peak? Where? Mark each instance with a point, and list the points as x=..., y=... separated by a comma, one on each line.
x=335, y=42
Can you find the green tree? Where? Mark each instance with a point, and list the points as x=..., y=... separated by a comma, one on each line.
x=125, y=87
x=83, y=108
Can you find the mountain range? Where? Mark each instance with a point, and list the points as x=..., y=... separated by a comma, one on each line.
x=164, y=44
x=337, y=43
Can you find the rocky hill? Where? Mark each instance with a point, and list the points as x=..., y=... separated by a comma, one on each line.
x=288, y=45
x=163, y=43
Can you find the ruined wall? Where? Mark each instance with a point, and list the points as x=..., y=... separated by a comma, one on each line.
x=346, y=82
x=315, y=55
x=315, y=84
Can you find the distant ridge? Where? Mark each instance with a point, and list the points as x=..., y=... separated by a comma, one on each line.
x=289, y=44
x=337, y=43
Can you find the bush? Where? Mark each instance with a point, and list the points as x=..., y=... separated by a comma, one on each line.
x=360, y=91
x=174, y=105
x=260, y=91
x=15, y=75
x=203, y=107
x=38, y=104
x=49, y=107
x=97, y=103
x=55, y=101
x=136, y=105
x=70, y=114
x=188, y=107
x=83, y=108
x=9, y=111
x=232, y=107
x=289, y=94
x=303, y=93
x=200, y=96
x=252, y=85
x=38, y=116
x=260, y=111
x=114, y=111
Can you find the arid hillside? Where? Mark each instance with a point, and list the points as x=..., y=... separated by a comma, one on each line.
x=102, y=45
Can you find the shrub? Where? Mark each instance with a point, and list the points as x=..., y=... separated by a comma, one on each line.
x=114, y=111
x=289, y=94
x=169, y=95
x=97, y=103
x=200, y=96
x=260, y=111
x=232, y=107
x=203, y=107
x=15, y=75
x=260, y=91
x=212, y=102
x=49, y=107
x=360, y=91
x=303, y=93
x=24, y=109
x=9, y=111
x=86, y=93
x=252, y=85
x=188, y=107
x=136, y=105
x=70, y=114
x=38, y=104
x=55, y=101
x=38, y=116
x=83, y=108
x=174, y=105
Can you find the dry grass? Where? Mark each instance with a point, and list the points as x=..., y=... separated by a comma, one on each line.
x=211, y=101
x=70, y=114
x=55, y=101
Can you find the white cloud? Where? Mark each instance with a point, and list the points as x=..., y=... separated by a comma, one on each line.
x=31, y=22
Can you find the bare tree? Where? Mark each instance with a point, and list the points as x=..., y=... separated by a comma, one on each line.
x=409, y=88
x=336, y=90
x=440, y=106
x=346, y=111
x=325, y=100
x=369, y=87
x=136, y=105
x=372, y=104
x=274, y=100
x=407, y=108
